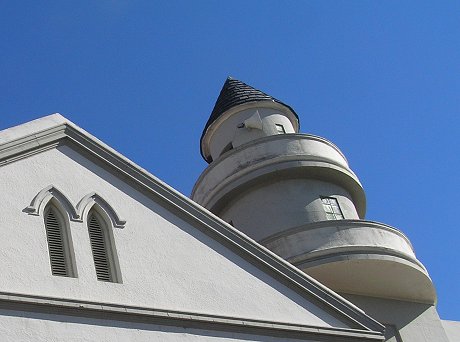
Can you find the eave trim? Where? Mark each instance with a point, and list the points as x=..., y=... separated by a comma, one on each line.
x=109, y=311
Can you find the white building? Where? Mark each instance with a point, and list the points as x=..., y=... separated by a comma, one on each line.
x=94, y=248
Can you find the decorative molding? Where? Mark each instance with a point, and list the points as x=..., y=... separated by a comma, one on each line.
x=40, y=200
x=191, y=320
x=92, y=198
x=31, y=144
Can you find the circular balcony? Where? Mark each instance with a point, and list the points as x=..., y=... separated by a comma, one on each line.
x=358, y=257
x=282, y=156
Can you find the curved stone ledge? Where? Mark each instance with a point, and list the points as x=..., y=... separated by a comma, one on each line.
x=274, y=154
x=313, y=239
x=356, y=256
x=271, y=147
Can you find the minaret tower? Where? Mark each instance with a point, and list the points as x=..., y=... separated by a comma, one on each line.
x=295, y=194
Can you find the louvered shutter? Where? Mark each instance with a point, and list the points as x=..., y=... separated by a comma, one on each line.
x=56, y=248
x=99, y=247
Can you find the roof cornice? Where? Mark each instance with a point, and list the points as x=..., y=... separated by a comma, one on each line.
x=190, y=320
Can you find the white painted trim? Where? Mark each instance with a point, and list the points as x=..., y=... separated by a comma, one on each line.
x=38, y=203
x=87, y=202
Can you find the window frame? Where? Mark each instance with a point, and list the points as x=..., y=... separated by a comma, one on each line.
x=66, y=240
x=332, y=208
x=280, y=129
x=109, y=244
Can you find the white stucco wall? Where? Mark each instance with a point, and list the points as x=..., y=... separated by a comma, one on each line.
x=452, y=329
x=165, y=262
x=281, y=204
x=414, y=322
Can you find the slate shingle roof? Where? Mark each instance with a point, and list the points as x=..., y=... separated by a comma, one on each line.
x=234, y=93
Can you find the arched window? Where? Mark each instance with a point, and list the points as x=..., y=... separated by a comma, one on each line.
x=103, y=248
x=59, y=242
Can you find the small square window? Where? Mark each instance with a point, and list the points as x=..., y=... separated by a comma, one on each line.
x=330, y=216
x=332, y=208
x=280, y=129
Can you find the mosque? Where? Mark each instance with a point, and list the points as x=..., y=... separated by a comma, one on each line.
x=272, y=245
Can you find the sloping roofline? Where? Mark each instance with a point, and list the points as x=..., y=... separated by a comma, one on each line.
x=50, y=131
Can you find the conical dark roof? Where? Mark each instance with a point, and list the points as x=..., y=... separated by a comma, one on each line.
x=234, y=93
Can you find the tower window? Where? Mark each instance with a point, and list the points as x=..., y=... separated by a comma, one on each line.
x=101, y=246
x=58, y=243
x=280, y=129
x=332, y=208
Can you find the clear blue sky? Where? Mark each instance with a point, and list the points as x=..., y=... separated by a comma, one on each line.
x=381, y=79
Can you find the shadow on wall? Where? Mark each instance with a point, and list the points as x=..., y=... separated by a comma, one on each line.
x=398, y=315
